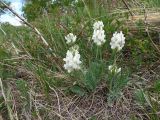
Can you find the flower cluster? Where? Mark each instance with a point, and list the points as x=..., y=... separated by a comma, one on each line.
x=98, y=34
x=117, y=41
x=114, y=69
x=71, y=38
x=98, y=25
x=72, y=60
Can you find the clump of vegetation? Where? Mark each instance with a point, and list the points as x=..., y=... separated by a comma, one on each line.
x=81, y=59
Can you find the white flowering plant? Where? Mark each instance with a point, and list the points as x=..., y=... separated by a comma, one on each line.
x=117, y=41
x=72, y=60
x=90, y=71
x=117, y=78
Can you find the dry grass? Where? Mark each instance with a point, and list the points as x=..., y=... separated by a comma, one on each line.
x=61, y=106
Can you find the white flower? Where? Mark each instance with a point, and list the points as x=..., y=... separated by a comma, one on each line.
x=72, y=60
x=71, y=38
x=98, y=37
x=113, y=68
x=117, y=41
x=98, y=25
x=98, y=34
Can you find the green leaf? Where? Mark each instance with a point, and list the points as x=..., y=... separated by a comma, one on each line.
x=140, y=96
x=77, y=90
x=157, y=86
x=93, y=75
x=113, y=96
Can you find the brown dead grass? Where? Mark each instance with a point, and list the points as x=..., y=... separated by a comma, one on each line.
x=61, y=106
